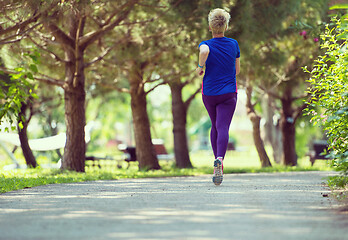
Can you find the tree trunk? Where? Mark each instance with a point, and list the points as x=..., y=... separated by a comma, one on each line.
x=260, y=147
x=277, y=144
x=145, y=151
x=287, y=125
x=255, y=120
x=23, y=138
x=75, y=147
x=272, y=129
x=289, y=149
x=75, y=119
x=179, y=111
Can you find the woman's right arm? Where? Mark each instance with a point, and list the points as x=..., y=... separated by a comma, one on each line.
x=237, y=66
x=203, y=55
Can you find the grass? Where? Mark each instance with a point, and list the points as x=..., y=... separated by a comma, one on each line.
x=19, y=179
x=236, y=162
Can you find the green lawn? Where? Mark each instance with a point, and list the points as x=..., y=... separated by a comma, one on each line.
x=249, y=160
x=235, y=162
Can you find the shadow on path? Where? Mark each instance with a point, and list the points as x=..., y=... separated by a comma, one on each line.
x=245, y=206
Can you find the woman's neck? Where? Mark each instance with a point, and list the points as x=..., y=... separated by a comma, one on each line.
x=218, y=35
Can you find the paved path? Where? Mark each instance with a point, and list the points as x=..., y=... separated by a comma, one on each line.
x=246, y=206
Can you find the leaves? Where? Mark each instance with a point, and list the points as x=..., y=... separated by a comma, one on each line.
x=339, y=6
x=18, y=88
x=329, y=93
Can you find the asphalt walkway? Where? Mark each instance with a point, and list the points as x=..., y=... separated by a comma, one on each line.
x=246, y=206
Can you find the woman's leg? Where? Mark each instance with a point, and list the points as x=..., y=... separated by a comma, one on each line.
x=220, y=109
x=209, y=103
x=224, y=114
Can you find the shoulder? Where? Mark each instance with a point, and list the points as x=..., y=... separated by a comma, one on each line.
x=234, y=43
x=204, y=45
x=232, y=40
x=206, y=42
x=204, y=48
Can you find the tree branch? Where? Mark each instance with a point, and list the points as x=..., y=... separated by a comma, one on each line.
x=50, y=81
x=298, y=111
x=106, y=52
x=44, y=78
x=21, y=35
x=190, y=99
x=249, y=104
x=190, y=80
x=79, y=33
x=149, y=80
x=3, y=41
x=51, y=53
x=124, y=90
x=270, y=93
x=151, y=19
x=93, y=36
x=7, y=71
x=61, y=37
x=154, y=87
x=281, y=78
x=89, y=38
x=137, y=22
x=299, y=97
x=21, y=25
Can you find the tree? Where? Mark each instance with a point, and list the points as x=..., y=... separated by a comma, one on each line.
x=255, y=120
x=178, y=62
x=273, y=54
x=179, y=112
x=63, y=33
x=23, y=123
x=141, y=54
x=137, y=57
x=17, y=97
x=253, y=23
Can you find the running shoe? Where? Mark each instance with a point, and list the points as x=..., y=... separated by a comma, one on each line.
x=218, y=172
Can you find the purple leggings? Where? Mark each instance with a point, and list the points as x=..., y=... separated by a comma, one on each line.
x=220, y=109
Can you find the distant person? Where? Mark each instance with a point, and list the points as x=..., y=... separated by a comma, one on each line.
x=220, y=56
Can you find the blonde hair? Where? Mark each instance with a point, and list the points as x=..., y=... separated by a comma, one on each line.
x=218, y=20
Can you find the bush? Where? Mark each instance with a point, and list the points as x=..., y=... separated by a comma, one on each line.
x=328, y=105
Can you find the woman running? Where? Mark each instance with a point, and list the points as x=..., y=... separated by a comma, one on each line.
x=220, y=56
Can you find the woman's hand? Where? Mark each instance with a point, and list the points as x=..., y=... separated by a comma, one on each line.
x=199, y=71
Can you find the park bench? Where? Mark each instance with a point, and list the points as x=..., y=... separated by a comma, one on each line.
x=41, y=144
x=130, y=152
x=231, y=146
x=319, y=148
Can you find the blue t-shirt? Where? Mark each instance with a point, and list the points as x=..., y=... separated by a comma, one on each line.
x=220, y=72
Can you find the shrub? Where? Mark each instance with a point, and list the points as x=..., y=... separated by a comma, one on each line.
x=328, y=105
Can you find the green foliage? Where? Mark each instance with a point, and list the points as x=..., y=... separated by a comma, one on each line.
x=337, y=182
x=16, y=88
x=329, y=92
